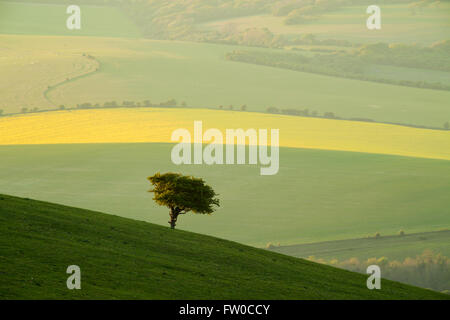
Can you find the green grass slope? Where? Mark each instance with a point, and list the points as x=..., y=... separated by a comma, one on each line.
x=122, y=258
x=317, y=195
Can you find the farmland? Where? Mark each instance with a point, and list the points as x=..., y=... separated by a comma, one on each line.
x=198, y=73
x=30, y=74
x=41, y=63
x=87, y=115
x=317, y=195
x=123, y=125
x=362, y=187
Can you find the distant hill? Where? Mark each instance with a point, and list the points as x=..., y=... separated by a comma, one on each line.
x=123, y=258
x=394, y=247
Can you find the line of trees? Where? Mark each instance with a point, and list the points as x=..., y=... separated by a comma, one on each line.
x=434, y=57
x=331, y=115
x=263, y=37
x=128, y=104
x=348, y=65
x=273, y=110
x=427, y=270
x=109, y=104
x=308, y=113
x=29, y=110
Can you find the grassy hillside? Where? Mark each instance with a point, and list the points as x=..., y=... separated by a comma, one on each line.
x=399, y=24
x=393, y=247
x=157, y=124
x=316, y=196
x=122, y=258
x=200, y=75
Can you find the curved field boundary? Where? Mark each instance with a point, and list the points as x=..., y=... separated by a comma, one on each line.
x=92, y=68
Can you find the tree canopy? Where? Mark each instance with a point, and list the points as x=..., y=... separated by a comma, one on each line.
x=182, y=194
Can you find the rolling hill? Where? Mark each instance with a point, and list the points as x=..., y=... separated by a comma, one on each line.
x=339, y=181
x=199, y=74
x=400, y=23
x=126, y=259
x=392, y=247
x=317, y=195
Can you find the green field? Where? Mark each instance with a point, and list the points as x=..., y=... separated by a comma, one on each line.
x=199, y=74
x=412, y=74
x=125, y=259
x=316, y=196
x=393, y=247
x=130, y=68
x=50, y=19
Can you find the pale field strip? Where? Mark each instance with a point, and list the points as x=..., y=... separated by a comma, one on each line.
x=157, y=124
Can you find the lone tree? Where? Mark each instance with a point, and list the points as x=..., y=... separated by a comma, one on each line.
x=182, y=194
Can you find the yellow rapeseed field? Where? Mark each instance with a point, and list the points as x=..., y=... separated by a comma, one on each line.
x=157, y=125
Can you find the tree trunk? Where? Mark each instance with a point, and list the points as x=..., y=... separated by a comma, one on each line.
x=173, y=218
x=172, y=222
